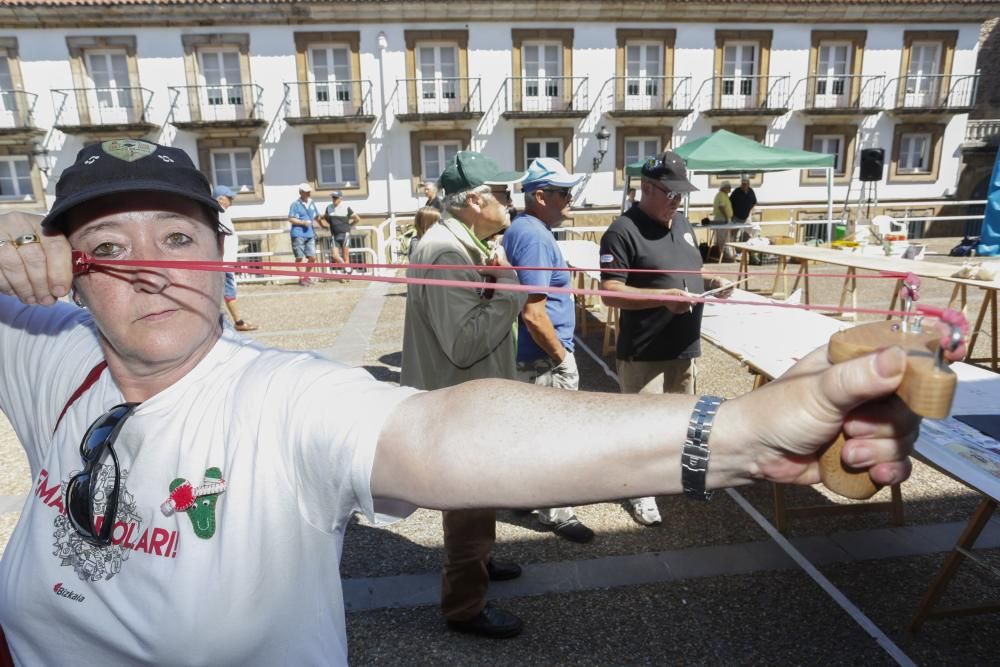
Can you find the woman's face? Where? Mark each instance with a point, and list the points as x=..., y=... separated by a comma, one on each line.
x=152, y=319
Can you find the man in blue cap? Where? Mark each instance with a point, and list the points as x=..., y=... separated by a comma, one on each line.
x=546, y=323
x=225, y=196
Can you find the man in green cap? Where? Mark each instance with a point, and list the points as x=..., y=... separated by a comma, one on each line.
x=454, y=334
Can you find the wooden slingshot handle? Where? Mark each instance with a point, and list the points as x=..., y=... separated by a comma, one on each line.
x=927, y=390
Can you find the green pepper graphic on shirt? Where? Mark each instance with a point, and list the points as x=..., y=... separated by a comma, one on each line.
x=201, y=506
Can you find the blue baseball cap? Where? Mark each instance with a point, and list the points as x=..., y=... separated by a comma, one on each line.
x=546, y=171
x=336, y=194
x=223, y=191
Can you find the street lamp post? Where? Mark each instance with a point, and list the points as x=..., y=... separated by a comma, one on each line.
x=602, y=146
x=383, y=43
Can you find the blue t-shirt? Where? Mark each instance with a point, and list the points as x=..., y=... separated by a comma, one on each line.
x=307, y=212
x=529, y=242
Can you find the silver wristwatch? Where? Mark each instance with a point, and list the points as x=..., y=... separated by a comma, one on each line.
x=694, y=457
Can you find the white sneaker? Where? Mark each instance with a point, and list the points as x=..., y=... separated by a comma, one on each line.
x=645, y=511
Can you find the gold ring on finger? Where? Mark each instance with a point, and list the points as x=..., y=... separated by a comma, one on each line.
x=26, y=239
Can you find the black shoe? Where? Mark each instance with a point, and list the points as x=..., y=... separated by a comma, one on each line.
x=490, y=622
x=574, y=531
x=502, y=571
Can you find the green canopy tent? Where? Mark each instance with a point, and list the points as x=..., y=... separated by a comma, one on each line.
x=723, y=151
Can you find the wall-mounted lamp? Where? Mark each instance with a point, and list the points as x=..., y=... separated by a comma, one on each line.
x=602, y=145
x=42, y=157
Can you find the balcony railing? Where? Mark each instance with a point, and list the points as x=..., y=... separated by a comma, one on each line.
x=88, y=107
x=547, y=94
x=651, y=93
x=757, y=93
x=439, y=96
x=983, y=131
x=328, y=99
x=216, y=103
x=17, y=109
x=848, y=92
x=938, y=91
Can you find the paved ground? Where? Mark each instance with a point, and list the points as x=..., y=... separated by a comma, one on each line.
x=705, y=587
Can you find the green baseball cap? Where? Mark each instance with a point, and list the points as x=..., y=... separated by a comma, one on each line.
x=469, y=169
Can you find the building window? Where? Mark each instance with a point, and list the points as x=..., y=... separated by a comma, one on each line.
x=327, y=66
x=108, y=74
x=536, y=148
x=643, y=75
x=634, y=143
x=10, y=115
x=836, y=140
x=831, y=144
x=435, y=156
x=644, y=68
x=233, y=167
x=437, y=71
x=437, y=78
x=336, y=161
x=542, y=76
x=833, y=66
x=922, y=76
x=740, y=75
x=329, y=76
x=217, y=69
x=336, y=166
x=927, y=61
x=220, y=74
x=742, y=59
x=640, y=148
x=914, y=153
x=835, y=80
x=15, y=178
x=105, y=82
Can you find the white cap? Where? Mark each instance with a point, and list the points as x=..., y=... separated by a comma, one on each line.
x=305, y=187
x=548, y=171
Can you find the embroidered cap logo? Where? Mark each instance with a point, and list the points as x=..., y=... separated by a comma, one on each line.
x=128, y=150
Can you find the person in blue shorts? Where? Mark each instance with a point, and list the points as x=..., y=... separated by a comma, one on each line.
x=230, y=247
x=302, y=215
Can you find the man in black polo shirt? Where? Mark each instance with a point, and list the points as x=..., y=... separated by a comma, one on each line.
x=743, y=200
x=657, y=340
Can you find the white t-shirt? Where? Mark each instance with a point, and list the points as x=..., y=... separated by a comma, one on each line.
x=231, y=243
x=264, y=588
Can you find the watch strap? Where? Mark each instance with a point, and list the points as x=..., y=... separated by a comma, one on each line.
x=694, y=457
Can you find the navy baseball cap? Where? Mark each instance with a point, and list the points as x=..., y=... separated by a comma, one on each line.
x=668, y=168
x=127, y=165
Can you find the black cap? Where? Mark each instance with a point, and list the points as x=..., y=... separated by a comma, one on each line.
x=127, y=165
x=669, y=168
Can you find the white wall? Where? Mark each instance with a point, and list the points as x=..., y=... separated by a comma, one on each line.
x=45, y=66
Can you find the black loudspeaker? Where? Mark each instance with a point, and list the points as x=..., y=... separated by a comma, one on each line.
x=872, y=163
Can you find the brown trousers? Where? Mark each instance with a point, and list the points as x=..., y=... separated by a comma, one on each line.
x=468, y=538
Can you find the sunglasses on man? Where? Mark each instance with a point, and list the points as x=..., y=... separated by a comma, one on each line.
x=670, y=194
x=82, y=487
x=562, y=192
